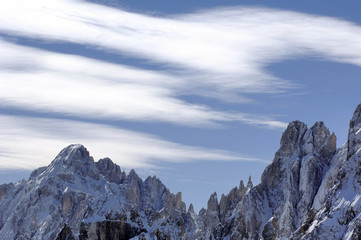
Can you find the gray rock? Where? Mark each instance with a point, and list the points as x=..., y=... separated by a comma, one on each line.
x=354, y=134
x=212, y=204
x=191, y=208
x=249, y=183
x=65, y=234
x=110, y=171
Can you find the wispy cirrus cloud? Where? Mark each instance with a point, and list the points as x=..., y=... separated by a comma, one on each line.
x=29, y=142
x=219, y=53
x=204, y=52
x=227, y=48
x=88, y=88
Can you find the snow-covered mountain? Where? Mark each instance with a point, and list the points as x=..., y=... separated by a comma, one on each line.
x=311, y=190
x=75, y=196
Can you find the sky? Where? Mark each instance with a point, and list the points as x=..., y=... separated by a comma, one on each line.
x=197, y=94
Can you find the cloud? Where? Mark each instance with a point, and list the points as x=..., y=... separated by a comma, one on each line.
x=28, y=143
x=227, y=48
x=87, y=88
x=220, y=53
x=217, y=57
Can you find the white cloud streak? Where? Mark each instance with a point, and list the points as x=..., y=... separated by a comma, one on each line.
x=222, y=54
x=33, y=142
x=82, y=87
x=229, y=46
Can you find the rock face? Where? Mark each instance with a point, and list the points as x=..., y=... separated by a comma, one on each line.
x=354, y=136
x=337, y=207
x=65, y=234
x=311, y=190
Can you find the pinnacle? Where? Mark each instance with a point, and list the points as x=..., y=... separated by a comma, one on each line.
x=213, y=202
x=354, y=135
x=319, y=125
x=296, y=124
x=249, y=184
x=292, y=137
x=356, y=118
x=191, y=208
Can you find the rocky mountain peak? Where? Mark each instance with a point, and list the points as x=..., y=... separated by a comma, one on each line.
x=241, y=185
x=297, y=172
x=75, y=159
x=132, y=177
x=250, y=183
x=291, y=138
x=283, y=200
x=356, y=118
x=318, y=139
x=191, y=208
x=73, y=152
x=354, y=133
x=299, y=140
x=110, y=170
x=212, y=204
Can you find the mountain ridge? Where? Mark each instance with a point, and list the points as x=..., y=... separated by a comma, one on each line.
x=311, y=190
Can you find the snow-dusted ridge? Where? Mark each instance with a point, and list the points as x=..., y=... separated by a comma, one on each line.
x=311, y=190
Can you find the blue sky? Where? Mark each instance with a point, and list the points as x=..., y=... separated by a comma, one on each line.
x=195, y=93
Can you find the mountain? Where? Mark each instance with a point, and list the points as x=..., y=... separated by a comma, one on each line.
x=75, y=197
x=311, y=190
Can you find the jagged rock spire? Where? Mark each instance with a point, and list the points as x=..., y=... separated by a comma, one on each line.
x=241, y=185
x=249, y=184
x=212, y=204
x=110, y=170
x=318, y=138
x=191, y=208
x=354, y=133
x=291, y=138
x=299, y=140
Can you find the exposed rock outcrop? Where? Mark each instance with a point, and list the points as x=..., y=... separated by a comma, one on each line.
x=354, y=134
x=65, y=234
x=337, y=213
